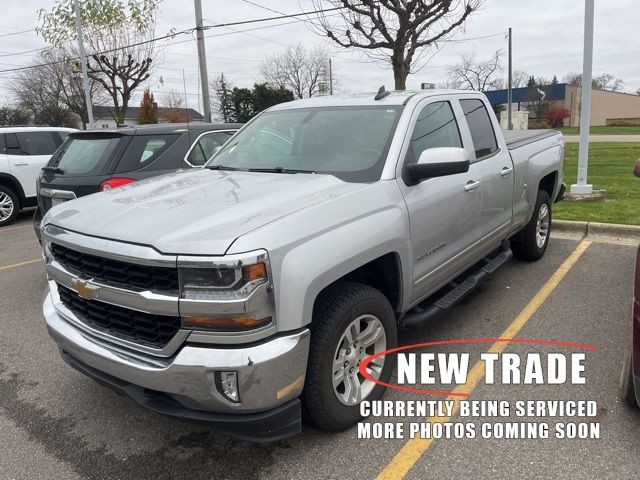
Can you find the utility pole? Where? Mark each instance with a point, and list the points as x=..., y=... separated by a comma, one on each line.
x=330, y=79
x=202, y=62
x=510, y=90
x=582, y=187
x=83, y=61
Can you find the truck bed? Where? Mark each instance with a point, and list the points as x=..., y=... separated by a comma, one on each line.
x=519, y=138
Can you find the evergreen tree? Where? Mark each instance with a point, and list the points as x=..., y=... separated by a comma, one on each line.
x=531, y=82
x=148, y=109
x=555, y=80
x=223, y=102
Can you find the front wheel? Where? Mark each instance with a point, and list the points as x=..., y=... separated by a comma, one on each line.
x=9, y=206
x=351, y=322
x=532, y=241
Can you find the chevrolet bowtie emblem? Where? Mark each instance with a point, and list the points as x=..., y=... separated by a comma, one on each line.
x=84, y=289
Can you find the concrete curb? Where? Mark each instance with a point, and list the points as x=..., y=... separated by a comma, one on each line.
x=596, y=228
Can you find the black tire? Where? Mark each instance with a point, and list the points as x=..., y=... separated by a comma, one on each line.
x=334, y=311
x=525, y=245
x=627, y=388
x=9, y=195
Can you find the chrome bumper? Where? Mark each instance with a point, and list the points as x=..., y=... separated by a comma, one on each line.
x=270, y=373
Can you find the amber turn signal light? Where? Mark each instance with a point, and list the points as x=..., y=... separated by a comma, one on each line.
x=256, y=271
x=224, y=324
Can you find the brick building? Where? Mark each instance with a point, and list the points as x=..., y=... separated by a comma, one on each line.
x=607, y=108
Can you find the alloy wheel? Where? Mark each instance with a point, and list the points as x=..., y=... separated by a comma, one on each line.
x=362, y=338
x=6, y=206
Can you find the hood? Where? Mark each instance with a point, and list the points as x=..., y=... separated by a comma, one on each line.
x=198, y=212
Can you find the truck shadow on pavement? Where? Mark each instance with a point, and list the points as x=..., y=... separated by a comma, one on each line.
x=194, y=455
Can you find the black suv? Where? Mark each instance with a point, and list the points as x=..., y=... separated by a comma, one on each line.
x=96, y=160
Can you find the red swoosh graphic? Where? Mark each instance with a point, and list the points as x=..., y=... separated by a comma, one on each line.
x=365, y=363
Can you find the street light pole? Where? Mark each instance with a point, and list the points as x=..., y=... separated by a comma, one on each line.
x=202, y=59
x=582, y=187
x=83, y=61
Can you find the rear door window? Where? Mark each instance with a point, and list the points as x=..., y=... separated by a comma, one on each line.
x=482, y=134
x=143, y=150
x=206, y=146
x=34, y=143
x=84, y=156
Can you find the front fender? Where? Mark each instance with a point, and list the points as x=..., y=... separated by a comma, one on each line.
x=311, y=249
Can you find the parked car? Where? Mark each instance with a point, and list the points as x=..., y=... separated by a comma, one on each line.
x=241, y=292
x=630, y=377
x=23, y=152
x=96, y=160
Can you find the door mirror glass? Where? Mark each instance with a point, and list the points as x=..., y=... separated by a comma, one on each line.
x=439, y=162
x=636, y=170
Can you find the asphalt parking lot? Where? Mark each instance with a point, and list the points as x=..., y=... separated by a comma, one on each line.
x=57, y=424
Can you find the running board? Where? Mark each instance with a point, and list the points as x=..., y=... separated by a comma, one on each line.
x=418, y=315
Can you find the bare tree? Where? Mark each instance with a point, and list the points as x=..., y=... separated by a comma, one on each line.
x=573, y=78
x=296, y=69
x=393, y=31
x=481, y=75
x=604, y=81
x=55, y=81
x=519, y=78
x=175, y=103
x=118, y=36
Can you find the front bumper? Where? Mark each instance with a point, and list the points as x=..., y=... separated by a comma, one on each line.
x=270, y=378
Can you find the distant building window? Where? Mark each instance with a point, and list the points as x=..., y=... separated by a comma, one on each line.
x=105, y=125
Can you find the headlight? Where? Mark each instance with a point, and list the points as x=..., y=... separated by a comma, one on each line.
x=222, y=283
x=227, y=279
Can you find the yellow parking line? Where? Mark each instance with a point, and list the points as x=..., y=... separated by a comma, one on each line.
x=413, y=449
x=20, y=264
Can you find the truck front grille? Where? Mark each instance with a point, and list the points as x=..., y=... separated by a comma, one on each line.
x=119, y=274
x=143, y=328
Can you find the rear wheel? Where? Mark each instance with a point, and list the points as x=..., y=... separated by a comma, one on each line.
x=532, y=241
x=351, y=322
x=9, y=206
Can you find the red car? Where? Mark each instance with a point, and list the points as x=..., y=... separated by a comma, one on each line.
x=630, y=379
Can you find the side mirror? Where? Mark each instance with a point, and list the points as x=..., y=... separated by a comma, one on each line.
x=636, y=169
x=438, y=162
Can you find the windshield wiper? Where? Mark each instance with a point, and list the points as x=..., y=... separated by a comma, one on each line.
x=53, y=170
x=280, y=170
x=222, y=167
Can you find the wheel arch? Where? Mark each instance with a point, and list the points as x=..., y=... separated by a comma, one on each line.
x=9, y=181
x=383, y=273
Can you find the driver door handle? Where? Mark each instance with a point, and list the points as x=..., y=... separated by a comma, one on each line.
x=506, y=171
x=20, y=164
x=471, y=185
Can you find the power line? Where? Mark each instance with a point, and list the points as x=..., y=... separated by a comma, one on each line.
x=17, y=33
x=174, y=34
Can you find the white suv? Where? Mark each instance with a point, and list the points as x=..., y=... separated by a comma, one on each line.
x=23, y=153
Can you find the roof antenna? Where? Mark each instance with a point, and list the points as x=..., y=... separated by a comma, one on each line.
x=381, y=93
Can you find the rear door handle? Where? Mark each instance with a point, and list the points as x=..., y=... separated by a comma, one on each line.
x=21, y=164
x=471, y=185
x=506, y=171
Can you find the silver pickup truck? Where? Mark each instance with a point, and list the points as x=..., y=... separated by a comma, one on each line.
x=247, y=293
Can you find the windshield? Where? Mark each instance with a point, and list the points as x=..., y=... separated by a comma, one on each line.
x=80, y=156
x=348, y=142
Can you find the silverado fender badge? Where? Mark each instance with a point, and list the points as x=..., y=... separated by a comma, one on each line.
x=84, y=289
